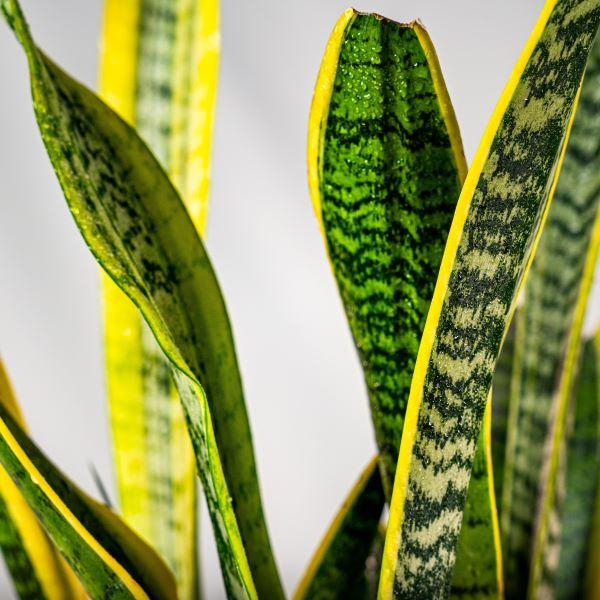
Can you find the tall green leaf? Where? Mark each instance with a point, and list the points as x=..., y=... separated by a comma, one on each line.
x=103, y=552
x=493, y=235
x=159, y=63
x=136, y=226
x=386, y=166
x=543, y=322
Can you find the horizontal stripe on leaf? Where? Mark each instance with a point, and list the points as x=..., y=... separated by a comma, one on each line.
x=136, y=226
x=103, y=552
x=494, y=232
x=545, y=318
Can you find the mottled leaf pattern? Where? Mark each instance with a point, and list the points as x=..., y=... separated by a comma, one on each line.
x=496, y=226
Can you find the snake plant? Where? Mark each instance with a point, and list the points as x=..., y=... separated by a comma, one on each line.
x=464, y=287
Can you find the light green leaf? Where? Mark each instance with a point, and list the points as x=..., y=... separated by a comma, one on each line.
x=492, y=239
x=139, y=231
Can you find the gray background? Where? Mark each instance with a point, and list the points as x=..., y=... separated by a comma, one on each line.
x=304, y=390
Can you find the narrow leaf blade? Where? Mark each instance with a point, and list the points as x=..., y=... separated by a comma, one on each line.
x=493, y=235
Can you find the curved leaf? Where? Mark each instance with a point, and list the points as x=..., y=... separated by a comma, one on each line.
x=36, y=568
x=103, y=552
x=337, y=569
x=159, y=63
x=491, y=242
x=543, y=323
x=139, y=231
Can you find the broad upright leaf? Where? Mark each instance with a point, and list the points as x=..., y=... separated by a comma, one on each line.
x=337, y=569
x=134, y=222
x=385, y=167
x=158, y=71
x=543, y=323
x=103, y=552
x=495, y=228
x=556, y=476
x=37, y=569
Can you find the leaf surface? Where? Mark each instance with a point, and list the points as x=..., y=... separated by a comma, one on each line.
x=159, y=62
x=543, y=322
x=136, y=226
x=492, y=239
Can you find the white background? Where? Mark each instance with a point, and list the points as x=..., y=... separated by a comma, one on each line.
x=305, y=394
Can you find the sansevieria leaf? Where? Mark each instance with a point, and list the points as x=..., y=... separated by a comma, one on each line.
x=103, y=552
x=338, y=567
x=543, y=323
x=134, y=222
x=496, y=226
x=547, y=538
x=158, y=71
x=385, y=167
x=37, y=569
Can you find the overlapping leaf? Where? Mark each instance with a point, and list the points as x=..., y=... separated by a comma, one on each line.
x=385, y=166
x=493, y=235
x=158, y=71
x=138, y=229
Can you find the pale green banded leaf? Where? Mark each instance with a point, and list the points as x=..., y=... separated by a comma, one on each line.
x=546, y=539
x=543, y=323
x=136, y=226
x=581, y=478
x=36, y=568
x=158, y=71
x=493, y=235
x=107, y=557
x=339, y=566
